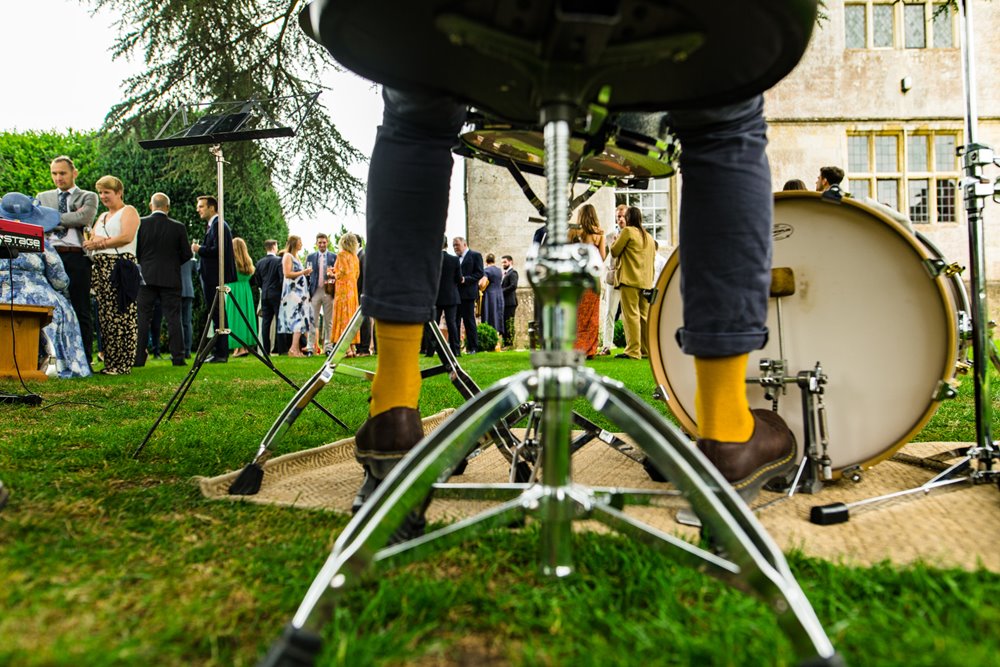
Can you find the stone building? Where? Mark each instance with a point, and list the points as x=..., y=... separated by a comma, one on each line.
x=879, y=93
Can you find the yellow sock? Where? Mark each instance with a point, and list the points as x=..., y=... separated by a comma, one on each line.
x=720, y=399
x=397, y=371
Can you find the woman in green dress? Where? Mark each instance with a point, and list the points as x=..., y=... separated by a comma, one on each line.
x=240, y=293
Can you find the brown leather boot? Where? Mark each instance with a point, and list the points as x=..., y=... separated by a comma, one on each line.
x=769, y=453
x=380, y=443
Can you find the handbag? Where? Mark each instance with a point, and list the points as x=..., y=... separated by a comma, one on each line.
x=330, y=287
x=484, y=282
x=611, y=276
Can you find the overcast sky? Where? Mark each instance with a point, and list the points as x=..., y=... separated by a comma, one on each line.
x=65, y=78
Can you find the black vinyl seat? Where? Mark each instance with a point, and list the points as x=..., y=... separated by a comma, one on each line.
x=512, y=57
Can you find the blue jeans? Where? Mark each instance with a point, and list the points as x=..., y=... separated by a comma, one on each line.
x=725, y=227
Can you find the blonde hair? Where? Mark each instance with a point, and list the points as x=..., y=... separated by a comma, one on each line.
x=243, y=262
x=109, y=183
x=349, y=243
x=292, y=244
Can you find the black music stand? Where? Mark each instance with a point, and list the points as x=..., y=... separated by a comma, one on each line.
x=213, y=124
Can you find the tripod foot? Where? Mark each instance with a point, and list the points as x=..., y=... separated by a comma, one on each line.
x=297, y=647
x=828, y=515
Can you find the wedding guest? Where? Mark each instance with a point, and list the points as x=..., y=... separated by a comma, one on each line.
x=635, y=251
x=588, y=317
x=240, y=313
x=345, y=297
x=77, y=209
x=114, y=240
x=295, y=314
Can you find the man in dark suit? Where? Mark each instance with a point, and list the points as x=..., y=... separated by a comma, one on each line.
x=161, y=248
x=447, y=303
x=321, y=302
x=269, y=277
x=472, y=270
x=364, y=346
x=509, y=286
x=77, y=210
x=208, y=252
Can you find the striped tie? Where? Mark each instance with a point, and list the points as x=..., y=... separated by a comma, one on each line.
x=63, y=208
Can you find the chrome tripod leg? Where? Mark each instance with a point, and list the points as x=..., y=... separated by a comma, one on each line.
x=309, y=390
x=405, y=489
x=753, y=562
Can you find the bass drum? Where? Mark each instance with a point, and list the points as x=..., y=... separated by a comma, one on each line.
x=865, y=306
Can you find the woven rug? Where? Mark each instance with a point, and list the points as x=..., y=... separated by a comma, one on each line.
x=957, y=528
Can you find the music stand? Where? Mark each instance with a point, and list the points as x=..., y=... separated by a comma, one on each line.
x=213, y=124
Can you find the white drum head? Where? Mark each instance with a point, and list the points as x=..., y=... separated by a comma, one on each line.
x=864, y=306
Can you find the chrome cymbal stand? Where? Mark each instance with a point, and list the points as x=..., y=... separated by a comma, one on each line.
x=559, y=273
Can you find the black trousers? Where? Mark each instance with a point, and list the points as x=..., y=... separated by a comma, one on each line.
x=78, y=268
x=508, y=325
x=170, y=300
x=268, y=311
x=467, y=311
x=221, y=350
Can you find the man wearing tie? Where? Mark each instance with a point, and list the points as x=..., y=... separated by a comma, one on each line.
x=208, y=251
x=77, y=210
x=161, y=248
x=472, y=270
x=322, y=303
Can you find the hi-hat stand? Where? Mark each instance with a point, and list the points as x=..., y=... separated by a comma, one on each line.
x=237, y=121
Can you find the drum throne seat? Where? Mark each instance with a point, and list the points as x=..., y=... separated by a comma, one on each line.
x=555, y=62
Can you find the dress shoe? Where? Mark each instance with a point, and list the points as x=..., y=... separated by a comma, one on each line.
x=178, y=362
x=217, y=360
x=386, y=438
x=769, y=453
x=622, y=355
x=380, y=444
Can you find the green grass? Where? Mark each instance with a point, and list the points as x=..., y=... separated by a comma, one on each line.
x=105, y=560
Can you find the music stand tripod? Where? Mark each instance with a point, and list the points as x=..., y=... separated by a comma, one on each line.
x=214, y=129
x=977, y=464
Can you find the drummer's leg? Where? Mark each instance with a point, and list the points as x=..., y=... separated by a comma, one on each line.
x=725, y=246
x=407, y=207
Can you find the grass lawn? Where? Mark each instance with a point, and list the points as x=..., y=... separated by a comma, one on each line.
x=106, y=560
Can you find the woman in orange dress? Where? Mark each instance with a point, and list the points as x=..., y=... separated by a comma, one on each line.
x=588, y=314
x=345, y=297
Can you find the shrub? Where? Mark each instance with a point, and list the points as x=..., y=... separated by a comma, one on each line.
x=619, y=337
x=488, y=337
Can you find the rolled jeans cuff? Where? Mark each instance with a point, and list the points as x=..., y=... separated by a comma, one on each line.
x=390, y=312
x=710, y=345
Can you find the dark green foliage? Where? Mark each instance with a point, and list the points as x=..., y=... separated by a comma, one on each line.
x=619, y=337
x=488, y=337
x=224, y=51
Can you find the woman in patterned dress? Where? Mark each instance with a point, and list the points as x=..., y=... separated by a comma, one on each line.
x=113, y=239
x=345, y=297
x=588, y=314
x=295, y=314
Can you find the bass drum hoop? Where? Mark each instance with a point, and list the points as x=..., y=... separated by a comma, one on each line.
x=949, y=361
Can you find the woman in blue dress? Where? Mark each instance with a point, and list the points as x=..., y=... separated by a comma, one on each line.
x=39, y=279
x=492, y=311
x=295, y=314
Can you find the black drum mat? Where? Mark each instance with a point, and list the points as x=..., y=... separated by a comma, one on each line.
x=947, y=528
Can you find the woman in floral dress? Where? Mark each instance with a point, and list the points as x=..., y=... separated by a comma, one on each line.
x=295, y=314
